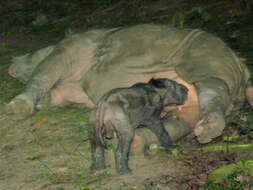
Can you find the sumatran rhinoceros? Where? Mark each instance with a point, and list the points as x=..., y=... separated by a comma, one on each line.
x=83, y=67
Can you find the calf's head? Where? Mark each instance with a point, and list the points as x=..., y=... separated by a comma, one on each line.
x=172, y=93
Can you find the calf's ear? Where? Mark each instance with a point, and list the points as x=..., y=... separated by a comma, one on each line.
x=159, y=83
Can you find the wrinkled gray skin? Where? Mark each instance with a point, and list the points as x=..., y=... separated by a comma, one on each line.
x=83, y=67
x=122, y=110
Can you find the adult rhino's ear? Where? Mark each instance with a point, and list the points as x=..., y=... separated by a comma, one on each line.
x=159, y=83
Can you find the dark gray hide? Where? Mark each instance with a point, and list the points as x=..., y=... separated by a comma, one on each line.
x=122, y=110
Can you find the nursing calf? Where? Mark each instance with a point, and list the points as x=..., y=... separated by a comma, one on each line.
x=122, y=110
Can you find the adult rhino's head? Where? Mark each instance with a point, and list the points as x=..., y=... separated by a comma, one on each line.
x=22, y=67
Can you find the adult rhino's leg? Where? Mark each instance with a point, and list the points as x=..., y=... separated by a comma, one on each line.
x=214, y=99
x=46, y=75
x=249, y=94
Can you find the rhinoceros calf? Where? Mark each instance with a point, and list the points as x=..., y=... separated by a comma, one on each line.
x=122, y=110
x=83, y=67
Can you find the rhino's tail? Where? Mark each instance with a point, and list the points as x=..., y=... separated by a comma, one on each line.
x=99, y=124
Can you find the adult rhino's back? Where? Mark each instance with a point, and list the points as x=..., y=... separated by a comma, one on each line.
x=138, y=53
x=209, y=57
x=135, y=54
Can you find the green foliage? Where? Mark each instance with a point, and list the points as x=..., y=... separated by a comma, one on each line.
x=199, y=17
x=178, y=20
x=86, y=188
x=126, y=186
x=112, y=146
x=46, y=175
x=231, y=183
x=246, y=166
x=9, y=88
x=206, y=17
x=244, y=122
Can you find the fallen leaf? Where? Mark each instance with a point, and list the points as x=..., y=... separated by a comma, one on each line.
x=40, y=121
x=60, y=168
x=64, y=144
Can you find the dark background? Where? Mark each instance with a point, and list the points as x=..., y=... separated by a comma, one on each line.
x=232, y=20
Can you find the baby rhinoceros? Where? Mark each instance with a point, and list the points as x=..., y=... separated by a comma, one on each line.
x=122, y=110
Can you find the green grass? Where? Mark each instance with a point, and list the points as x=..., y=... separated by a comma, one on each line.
x=231, y=183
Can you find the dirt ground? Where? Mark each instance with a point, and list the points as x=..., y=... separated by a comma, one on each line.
x=51, y=151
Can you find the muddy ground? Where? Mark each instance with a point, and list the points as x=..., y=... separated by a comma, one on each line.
x=50, y=150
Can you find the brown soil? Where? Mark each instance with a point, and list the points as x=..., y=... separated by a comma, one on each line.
x=50, y=151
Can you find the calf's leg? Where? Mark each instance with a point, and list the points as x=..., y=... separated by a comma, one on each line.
x=97, y=150
x=125, y=133
x=157, y=127
x=97, y=156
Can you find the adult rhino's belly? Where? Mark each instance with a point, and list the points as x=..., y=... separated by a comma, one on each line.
x=99, y=83
x=190, y=110
x=69, y=93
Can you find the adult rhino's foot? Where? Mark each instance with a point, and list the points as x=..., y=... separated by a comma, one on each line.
x=20, y=106
x=209, y=127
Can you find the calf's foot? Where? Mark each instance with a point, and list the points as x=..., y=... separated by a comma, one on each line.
x=209, y=127
x=98, y=159
x=124, y=170
x=97, y=167
x=121, y=163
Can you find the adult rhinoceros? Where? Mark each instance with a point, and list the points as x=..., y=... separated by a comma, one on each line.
x=82, y=67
